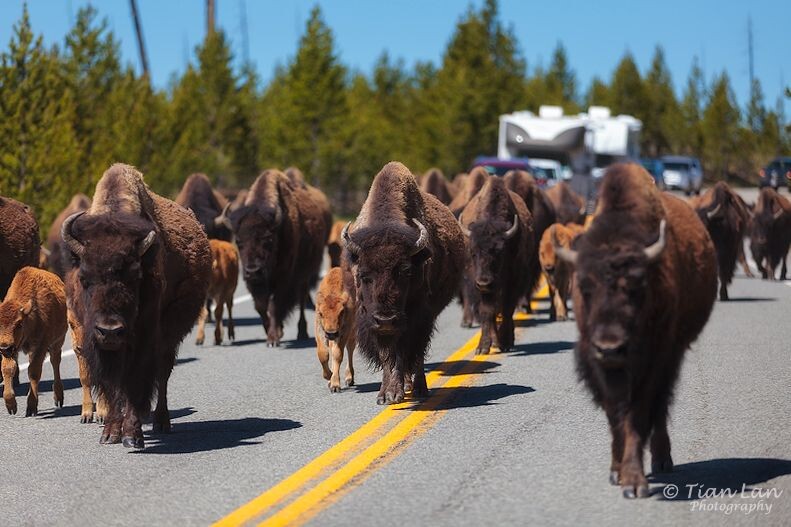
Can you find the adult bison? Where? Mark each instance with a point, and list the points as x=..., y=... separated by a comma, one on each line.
x=281, y=231
x=406, y=253
x=645, y=286
x=143, y=267
x=770, y=233
x=499, y=227
x=724, y=216
x=59, y=259
x=19, y=240
x=472, y=184
x=569, y=206
x=433, y=182
x=198, y=195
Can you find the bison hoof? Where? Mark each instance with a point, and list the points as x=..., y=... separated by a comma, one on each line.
x=335, y=389
x=58, y=403
x=350, y=382
x=482, y=351
x=31, y=412
x=217, y=342
x=199, y=342
x=466, y=324
x=662, y=466
x=614, y=477
x=394, y=398
x=637, y=491
x=303, y=335
x=132, y=442
x=110, y=439
x=11, y=407
x=86, y=418
x=99, y=418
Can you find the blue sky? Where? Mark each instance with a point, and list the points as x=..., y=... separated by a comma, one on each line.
x=595, y=33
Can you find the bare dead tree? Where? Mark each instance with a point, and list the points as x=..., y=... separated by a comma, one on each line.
x=141, y=46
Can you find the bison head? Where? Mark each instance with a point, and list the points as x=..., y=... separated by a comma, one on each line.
x=488, y=240
x=12, y=325
x=612, y=279
x=257, y=232
x=111, y=253
x=387, y=264
x=331, y=311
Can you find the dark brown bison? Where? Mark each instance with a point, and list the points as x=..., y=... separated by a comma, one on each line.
x=433, y=182
x=59, y=257
x=472, y=184
x=20, y=244
x=296, y=177
x=281, y=231
x=334, y=243
x=198, y=195
x=724, y=216
x=499, y=229
x=645, y=286
x=406, y=254
x=143, y=267
x=770, y=233
x=569, y=206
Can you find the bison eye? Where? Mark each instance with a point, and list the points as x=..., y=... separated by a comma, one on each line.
x=366, y=279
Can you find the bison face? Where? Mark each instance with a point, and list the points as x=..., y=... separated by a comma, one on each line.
x=332, y=313
x=387, y=264
x=257, y=236
x=111, y=255
x=488, y=242
x=12, y=321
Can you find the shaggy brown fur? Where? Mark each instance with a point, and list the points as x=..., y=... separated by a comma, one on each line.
x=499, y=229
x=770, y=233
x=224, y=276
x=558, y=273
x=281, y=232
x=143, y=269
x=335, y=328
x=60, y=262
x=433, y=182
x=334, y=244
x=472, y=184
x=569, y=206
x=198, y=195
x=639, y=304
x=19, y=240
x=401, y=281
x=32, y=320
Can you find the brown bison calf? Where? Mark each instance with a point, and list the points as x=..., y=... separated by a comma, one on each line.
x=222, y=285
x=33, y=320
x=558, y=272
x=335, y=327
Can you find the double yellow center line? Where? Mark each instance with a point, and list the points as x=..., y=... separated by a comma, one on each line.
x=351, y=461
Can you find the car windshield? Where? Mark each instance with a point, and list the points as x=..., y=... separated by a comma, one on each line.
x=677, y=166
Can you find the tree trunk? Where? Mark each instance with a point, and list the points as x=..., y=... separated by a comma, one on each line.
x=141, y=46
x=209, y=17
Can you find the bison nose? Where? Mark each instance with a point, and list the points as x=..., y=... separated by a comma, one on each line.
x=549, y=269
x=609, y=347
x=252, y=270
x=332, y=335
x=384, y=319
x=484, y=283
x=6, y=349
x=110, y=330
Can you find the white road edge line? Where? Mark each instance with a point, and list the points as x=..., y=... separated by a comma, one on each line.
x=70, y=352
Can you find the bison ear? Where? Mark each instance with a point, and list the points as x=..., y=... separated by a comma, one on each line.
x=27, y=308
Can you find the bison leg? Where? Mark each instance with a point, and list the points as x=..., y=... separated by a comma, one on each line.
x=161, y=419
x=350, y=366
x=661, y=461
x=274, y=332
x=218, y=323
x=262, y=307
x=16, y=377
x=9, y=368
x=204, y=313
x=302, y=325
x=488, y=323
x=783, y=269
x=34, y=373
x=132, y=428
x=633, y=480
x=208, y=308
x=57, y=385
x=85, y=382
x=616, y=447
x=111, y=432
x=745, y=266
x=419, y=386
x=322, y=352
x=102, y=407
x=392, y=390
x=337, y=359
x=723, y=291
x=553, y=314
x=229, y=305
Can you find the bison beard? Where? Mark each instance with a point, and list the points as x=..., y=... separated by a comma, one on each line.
x=646, y=283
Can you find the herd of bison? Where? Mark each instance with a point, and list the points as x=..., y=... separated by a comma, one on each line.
x=131, y=272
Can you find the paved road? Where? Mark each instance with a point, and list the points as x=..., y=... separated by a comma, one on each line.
x=509, y=439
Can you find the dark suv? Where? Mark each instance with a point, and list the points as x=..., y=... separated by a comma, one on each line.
x=776, y=173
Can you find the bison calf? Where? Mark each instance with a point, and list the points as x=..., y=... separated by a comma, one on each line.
x=558, y=272
x=33, y=320
x=222, y=285
x=335, y=328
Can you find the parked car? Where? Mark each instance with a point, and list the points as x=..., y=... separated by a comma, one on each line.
x=499, y=167
x=548, y=170
x=656, y=168
x=682, y=173
x=777, y=171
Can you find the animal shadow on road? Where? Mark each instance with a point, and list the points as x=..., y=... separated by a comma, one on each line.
x=468, y=396
x=455, y=367
x=45, y=386
x=720, y=474
x=186, y=360
x=205, y=436
x=542, y=348
x=738, y=299
x=245, y=321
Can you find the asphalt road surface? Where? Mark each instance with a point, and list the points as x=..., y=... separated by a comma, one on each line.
x=505, y=439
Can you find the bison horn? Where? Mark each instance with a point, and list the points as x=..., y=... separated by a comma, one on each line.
x=147, y=242
x=653, y=251
x=223, y=219
x=713, y=212
x=347, y=240
x=46, y=252
x=778, y=214
x=422, y=240
x=65, y=232
x=467, y=232
x=512, y=230
x=567, y=255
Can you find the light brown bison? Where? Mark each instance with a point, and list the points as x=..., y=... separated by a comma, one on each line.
x=770, y=233
x=569, y=206
x=335, y=328
x=19, y=240
x=645, y=286
x=558, y=272
x=144, y=266
x=32, y=320
x=472, y=184
x=281, y=231
x=499, y=229
x=224, y=277
x=406, y=254
x=59, y=257
x=207, y=204
x=433, y=182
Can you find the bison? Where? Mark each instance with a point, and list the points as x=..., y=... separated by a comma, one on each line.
x=645, y=286
x=558, y=273
x=569, y=206
x=405, y=251
x=59, y=257
x=499, y=227
x=281, y=231
x=224, y=276
x=143, y=267
x=334, y=247
x=725, y=217
x=32, y=320
x=434, y=183
x=335, y=329
x=770, y=233
x=472, y=184
x=198, y=195
x=19, y=240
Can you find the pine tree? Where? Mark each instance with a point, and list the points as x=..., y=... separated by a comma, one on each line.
x=561, y=82
x=720, y=128
x=662, y=117
x=627, y=93
x=598, y=93
x=690, y=138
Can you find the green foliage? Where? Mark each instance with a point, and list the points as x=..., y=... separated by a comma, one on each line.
x=720, y=128
x=662, y=117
